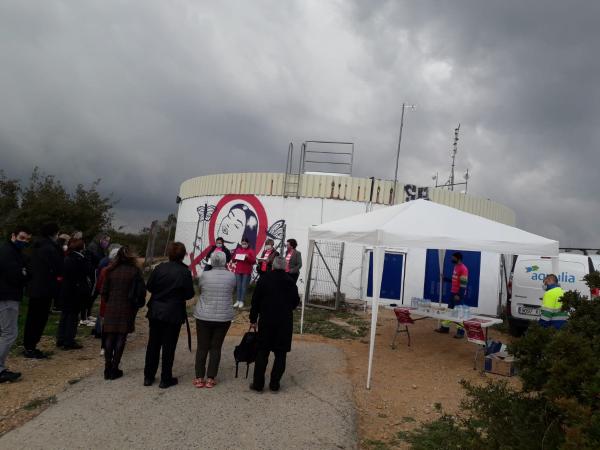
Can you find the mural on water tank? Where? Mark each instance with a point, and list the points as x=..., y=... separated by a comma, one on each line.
x=235, y=216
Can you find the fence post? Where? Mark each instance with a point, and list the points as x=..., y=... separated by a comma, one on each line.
x=338, y=294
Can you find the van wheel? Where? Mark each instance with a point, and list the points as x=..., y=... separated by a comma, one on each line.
x=517, y=328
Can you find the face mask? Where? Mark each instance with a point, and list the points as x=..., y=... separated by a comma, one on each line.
x=65, y=248
x=21, y=244
x=268, y=247
x=219, y=245
x=244, y=245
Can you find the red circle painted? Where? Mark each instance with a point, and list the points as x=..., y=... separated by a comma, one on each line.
x=261, y=215
x=258, y=208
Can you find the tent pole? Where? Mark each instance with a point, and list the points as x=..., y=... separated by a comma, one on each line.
x=555, y=268
x=441, y=258
x=378, y=255
x=311, y=248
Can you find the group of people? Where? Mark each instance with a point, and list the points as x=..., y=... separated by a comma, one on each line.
x=58, y=273
x=61, y=271
x=243, y=260
x=274, y=299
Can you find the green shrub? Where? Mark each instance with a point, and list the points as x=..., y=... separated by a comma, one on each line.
x=558, y=405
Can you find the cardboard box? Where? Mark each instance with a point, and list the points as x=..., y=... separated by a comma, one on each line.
x=500, y=363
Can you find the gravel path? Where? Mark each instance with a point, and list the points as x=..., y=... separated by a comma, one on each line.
x=313, y=410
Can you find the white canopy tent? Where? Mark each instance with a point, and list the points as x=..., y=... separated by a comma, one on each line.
x=427, y=225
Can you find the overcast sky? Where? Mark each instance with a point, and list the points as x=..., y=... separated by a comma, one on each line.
x=145, y=94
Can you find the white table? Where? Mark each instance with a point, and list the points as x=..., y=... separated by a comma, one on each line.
x=447, y=315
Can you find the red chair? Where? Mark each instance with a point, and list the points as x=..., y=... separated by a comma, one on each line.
x=403, y=319
x=476, y=335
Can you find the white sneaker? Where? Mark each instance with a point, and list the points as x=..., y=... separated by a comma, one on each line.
x=91, y=318
x=82, y=323
x=241, y=305
x=90, y=323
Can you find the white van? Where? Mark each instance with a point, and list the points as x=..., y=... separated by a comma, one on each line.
x=525, y=288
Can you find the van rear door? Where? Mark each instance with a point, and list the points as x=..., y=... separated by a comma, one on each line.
x=528, y=277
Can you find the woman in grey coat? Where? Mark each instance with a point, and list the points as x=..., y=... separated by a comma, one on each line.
x=213, y=314
x=293, y=259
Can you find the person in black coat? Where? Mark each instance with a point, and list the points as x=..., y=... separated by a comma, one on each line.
x=170, y=285
x=76, y=289
x=13, y=278
x=219, y=247
x=46, y=268
x=273, y=303
x=96, y=252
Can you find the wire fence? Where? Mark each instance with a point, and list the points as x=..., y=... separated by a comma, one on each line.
x=324, y=275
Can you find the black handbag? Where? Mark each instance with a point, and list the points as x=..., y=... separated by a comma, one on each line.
x=246, y=351
x=137, y=291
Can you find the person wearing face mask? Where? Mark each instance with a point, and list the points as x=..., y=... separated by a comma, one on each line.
x=76, y=288
x=96, y=252
x=46, y=268
x=264, y=263
x=552, y=314
x=293, y=259
x=14, y=275
x=218, y=247
x=458, y=288
x=244, y=259
x=61, y=242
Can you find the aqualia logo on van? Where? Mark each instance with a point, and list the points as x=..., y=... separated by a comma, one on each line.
x=563, y=277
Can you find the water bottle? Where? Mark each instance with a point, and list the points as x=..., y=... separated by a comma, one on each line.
x=467, y=310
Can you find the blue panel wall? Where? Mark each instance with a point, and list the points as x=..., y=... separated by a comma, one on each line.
x=432, y=276
x=391, y=283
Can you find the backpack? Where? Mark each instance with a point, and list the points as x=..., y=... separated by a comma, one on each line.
x=137, y=291
x=246, y=351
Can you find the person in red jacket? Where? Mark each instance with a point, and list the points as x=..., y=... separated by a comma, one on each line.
x=243, y=259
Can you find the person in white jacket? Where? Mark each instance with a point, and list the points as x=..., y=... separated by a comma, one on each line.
x=213, y=313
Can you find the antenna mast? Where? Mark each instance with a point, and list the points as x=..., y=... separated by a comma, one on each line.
x=454, y=151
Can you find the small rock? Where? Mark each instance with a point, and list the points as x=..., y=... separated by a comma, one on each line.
x=414, y=386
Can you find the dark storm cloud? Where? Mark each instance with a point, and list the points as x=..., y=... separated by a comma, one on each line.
x=147, y=94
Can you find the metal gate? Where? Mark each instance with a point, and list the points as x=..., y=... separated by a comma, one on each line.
x=324, y=275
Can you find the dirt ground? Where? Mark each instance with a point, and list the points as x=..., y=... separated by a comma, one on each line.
x=43, y=379
x=407, y=383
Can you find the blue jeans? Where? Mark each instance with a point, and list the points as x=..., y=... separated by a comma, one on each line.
x=242, y=281
x=9, y=328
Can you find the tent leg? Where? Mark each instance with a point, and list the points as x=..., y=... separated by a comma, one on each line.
x=311, y=247
x=378, y=255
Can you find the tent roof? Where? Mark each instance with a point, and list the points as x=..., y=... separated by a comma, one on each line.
x=425, y=224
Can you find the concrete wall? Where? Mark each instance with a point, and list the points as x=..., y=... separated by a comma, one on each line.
x=331, y=187
x=235, y=215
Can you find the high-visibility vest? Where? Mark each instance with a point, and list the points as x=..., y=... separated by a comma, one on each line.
x=551, y=308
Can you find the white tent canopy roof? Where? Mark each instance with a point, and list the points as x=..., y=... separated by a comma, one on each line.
x=425, y=224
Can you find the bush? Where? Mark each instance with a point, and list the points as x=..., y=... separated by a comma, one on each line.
x=558, y=405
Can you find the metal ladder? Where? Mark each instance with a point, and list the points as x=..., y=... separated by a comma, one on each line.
x=291, y=182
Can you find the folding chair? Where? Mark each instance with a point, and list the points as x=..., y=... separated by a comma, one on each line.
x=476, y=335
x=403, y=319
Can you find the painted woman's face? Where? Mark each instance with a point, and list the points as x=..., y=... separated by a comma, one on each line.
x=232, y=227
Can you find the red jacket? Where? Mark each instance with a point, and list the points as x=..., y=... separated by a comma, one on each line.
x=246, y=265
x=99, y=284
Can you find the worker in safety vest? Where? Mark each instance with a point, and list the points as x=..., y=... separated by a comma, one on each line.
x=552, y=313
x=458, y=288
